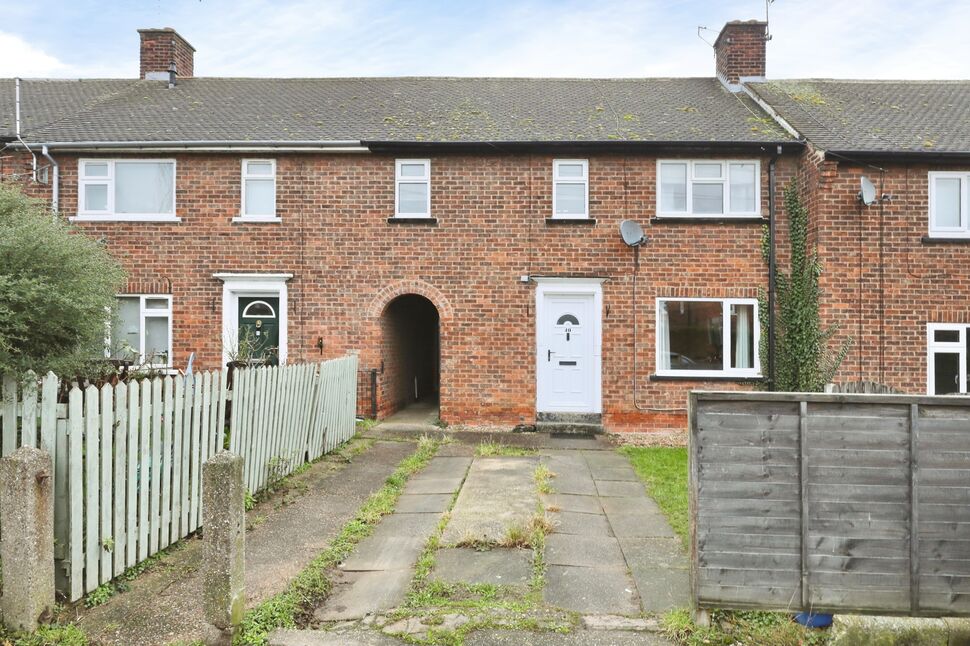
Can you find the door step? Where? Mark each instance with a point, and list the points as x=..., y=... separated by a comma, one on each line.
x=569, y=428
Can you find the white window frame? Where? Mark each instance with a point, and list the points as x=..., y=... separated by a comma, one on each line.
x=727, y=370
x=398, y=180
x=557, y=180
x=109, y=214
x=724, y=180
x=948, y=347
x=144, y=313
x=962, y=231
x=243, y=217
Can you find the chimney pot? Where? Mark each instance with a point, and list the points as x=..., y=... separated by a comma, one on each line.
x=161, y=51
x=739, y=52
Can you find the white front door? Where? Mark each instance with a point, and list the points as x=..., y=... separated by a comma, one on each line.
x=568, y=351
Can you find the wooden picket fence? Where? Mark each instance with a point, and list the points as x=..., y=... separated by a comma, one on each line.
x=128, y=457
x=283, y=417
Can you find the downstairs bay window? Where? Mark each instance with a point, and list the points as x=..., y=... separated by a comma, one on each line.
x=704, y=337
x=948, y=358
x=126, y=189
x=141, y=331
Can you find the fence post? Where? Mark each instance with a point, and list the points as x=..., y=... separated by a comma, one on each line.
x=27, y=537
x=224, y=543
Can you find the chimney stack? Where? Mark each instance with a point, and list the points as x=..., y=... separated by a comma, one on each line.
x=160, y=49
x=739, y=52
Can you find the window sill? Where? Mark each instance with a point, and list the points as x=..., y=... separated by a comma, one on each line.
x=700, y=219
x=124, y=218
x=735, y=378
x=570, y=221
x=433, y=222
x=944, y=240
x=243, y=219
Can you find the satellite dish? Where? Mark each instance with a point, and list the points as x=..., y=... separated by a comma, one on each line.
x=632, y=233
x=868, y=193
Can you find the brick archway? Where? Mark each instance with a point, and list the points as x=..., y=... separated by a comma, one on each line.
x=402, y=287
x=374, y=316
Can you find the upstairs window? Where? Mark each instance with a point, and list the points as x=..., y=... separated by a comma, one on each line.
x=949, y=213
x=570, y=188
x=141, y=331
x=259, y=189
x=708, y=188
x=129, y=189
x=705, y=337
x=412, y=191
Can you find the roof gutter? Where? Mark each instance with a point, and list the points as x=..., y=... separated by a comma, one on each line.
x=348, y=146
x=896, y=155
x=606, y=146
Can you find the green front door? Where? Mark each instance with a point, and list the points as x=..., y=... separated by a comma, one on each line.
x=259, y=328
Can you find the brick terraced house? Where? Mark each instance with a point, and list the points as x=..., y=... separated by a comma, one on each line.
x=462, y=234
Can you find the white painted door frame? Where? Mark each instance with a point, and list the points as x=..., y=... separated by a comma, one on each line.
x=235, y=285
x=572, y=287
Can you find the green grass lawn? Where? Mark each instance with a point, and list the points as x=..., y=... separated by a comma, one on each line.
x=664, y=470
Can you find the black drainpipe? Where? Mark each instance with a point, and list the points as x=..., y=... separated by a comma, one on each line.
x=772, y=269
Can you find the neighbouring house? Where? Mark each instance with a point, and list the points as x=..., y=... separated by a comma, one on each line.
x=462, y=234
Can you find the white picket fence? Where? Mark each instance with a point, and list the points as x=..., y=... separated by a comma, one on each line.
x=128, y=457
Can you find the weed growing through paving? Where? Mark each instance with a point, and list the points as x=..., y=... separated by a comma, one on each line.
x=294, y=605
x=104, y=592
x=490, y=448
x=543, y=476
x=741, y=628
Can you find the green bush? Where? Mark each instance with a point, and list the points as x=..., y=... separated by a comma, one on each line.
x=57, y=288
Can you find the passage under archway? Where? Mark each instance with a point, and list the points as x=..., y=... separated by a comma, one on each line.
x=411, y=350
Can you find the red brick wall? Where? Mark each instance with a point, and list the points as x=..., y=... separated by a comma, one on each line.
x=159, y=47
x=740, y=50
x=883, y=301
x=348, y=263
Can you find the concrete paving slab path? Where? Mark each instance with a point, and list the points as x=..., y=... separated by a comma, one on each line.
x=164, y=605
x=597, y=552
x=432, y=485
x=571, y=502
x=571, y=522
x=362, y=637
x=423, y=503
x=377, y=553
x=589, y=590
x=499, y=493
x=499, y=566
x=620, y=489
x=356, y=594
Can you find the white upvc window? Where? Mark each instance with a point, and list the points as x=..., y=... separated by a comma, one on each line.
x=126, y=189
x=141, y=331
x=708, y=337
x=258, y=199
x=708, y=188
x=570, y=188
x=947, y=358
x=412, y=188
x=949, y=200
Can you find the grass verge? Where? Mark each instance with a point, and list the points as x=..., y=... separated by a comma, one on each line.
x=50, y=635
x=749, y=628
x=293, y=606
x=664, y=470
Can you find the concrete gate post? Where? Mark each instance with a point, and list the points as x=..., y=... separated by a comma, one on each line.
x=224, y=543
x=27, y=537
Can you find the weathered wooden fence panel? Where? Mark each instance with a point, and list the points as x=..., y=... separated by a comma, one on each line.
x=830, y=502
x=285, y=416
x=128, y=457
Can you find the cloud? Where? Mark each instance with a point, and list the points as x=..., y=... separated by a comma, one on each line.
x=20, y=58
